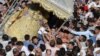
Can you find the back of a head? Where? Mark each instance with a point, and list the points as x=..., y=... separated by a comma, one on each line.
x=30, y=47
x=75, y=50
x=52, y=43
x=27, y=37
x=42, y=47
x=62, y=52
x=8, y=48
x=19, y=43
x=5, y=37
x=97, y=27
x=14, y=39
x=31, y=55
x=59, y=41
x=2, y=52
x=72, y=43
x=69, y=53
x=84, y=38
x=98, y=43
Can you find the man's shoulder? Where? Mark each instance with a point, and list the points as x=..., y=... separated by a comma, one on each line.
x=24, y=48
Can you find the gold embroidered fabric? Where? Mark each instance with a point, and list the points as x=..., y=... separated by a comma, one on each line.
x=51, y=7
x=27, y=23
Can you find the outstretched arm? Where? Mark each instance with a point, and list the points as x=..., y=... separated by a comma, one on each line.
x=75, y=32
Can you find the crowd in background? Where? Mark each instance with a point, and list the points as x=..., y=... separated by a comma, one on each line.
x=9, y=6
x=3, y=9
x=78, y=37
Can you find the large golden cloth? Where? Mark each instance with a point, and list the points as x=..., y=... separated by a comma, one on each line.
x=25, y=24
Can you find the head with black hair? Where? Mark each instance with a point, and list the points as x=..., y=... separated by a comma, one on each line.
x=71, y=45
x=61, y=52
x=82, y=38
x=19, y=45
x=27, y=37
x=30, y=47
x=89, y=43
x=98, y=43
x=52, y=43
x=5, y=37
x=14, y=39
x=11, y=43
x=35, y=40
x=59, y=41
x=31, y=55
x=97, y=29
x=42, y=47
x=2, y=52
x=8, y=48
x=75, y=50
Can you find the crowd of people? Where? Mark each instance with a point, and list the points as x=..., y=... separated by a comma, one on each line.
x=3, y=9
x=9, y=6
x=80, y=36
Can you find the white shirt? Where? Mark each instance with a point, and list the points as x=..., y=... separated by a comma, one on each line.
x=44, y=53
x=83, y=44
x=25, y=50
x=98, y=37
x=83, y=49
x=96, y=49
x=42, y=30
x=10, y=53
x=4, y=43
x=28, y=53
x=83, y=52
x=53, y=49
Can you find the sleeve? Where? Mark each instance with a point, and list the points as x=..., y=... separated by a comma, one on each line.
x=83, y=53
x=91, y=34
x=76, y=32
